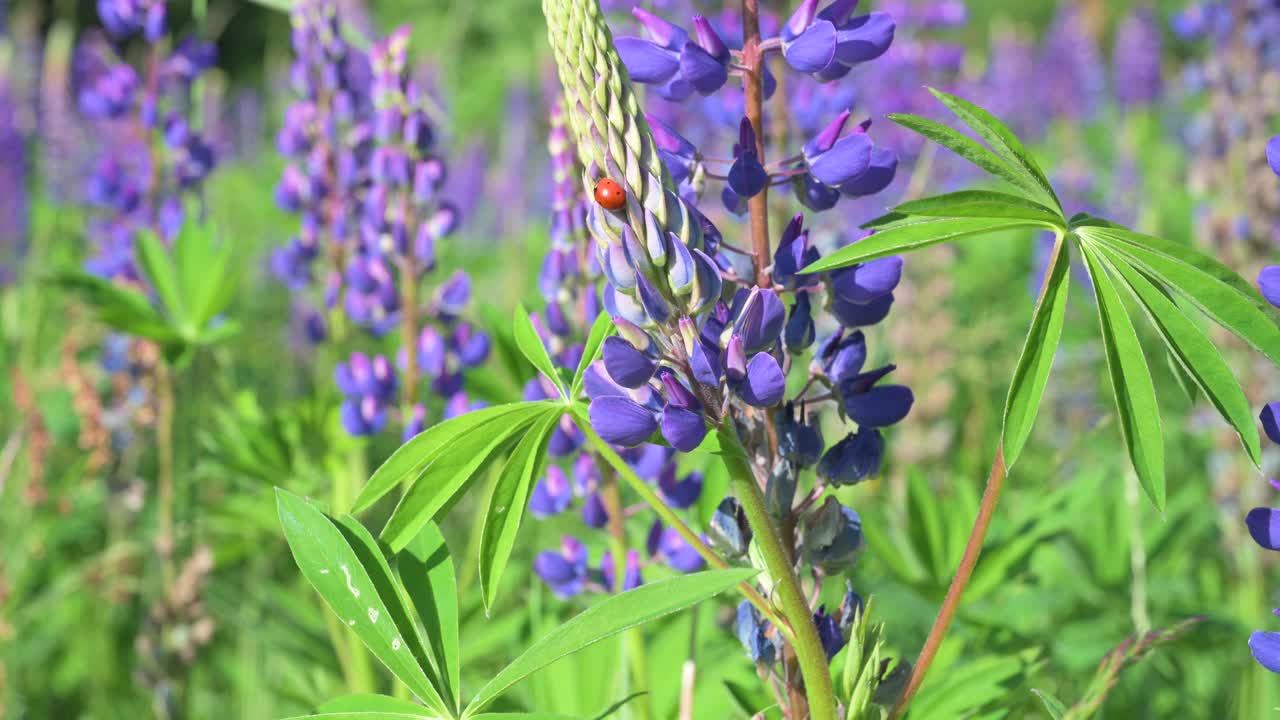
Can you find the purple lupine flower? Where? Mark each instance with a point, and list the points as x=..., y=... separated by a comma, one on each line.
x=671, y=61
x=756, y=634
x=632, y=578
x=828, y=44
x=854, y=458
x=1136, y=59
x=564, y=571
x=680, y=494
x=833, y=536
x=828, y=632
x=1271, y=421
x=668, y=545
x=14, y=207
x=1269, y=278
x=872, y=405
x=552, y=494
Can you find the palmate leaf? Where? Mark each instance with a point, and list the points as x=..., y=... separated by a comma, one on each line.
x=1032, y=372
x=606, y=619
x=425, y=569
x=913, y=236
x=452, y=467
x=1193, y=352
x=359, y=589
x=978, y=204
x=526, y=336
x=409, y=460
x=601, y=329
x=1131, y=382
x=508, y=502
x=163, y=276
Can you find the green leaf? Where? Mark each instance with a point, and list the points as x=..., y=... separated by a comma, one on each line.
x=121, y=308
x=607, y=618
x=1052, y=705
x=979, y=203
x=1135, y=394
x=370, y=702
x=159, y=269
x=366, y=715
x=534, y=351
x=1002, y=140
x=408, y=461
x=426, y=571
x=449, y=472
x=914, y=236
x=508, y=502
x=1210, y=286
x=333, y=568
x=602, y=328
x=1032, y=372
x=969, y=149
x=1195, y=353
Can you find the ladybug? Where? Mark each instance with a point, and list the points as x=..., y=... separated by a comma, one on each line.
x=610, y=195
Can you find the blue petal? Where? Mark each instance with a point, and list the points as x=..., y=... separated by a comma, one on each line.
x=1265, y=647
x=683, y=428
x=813, y=50
x=877, y=176
x=1271, y=421
x=627, y=366
x=646, y=62
x=864, y=38
x=621, y=421
x=747, y=176
x=1273, y=154
x=853, y=315
x=880, y=406
x=764, y=384
x=1269, y=284
x=1264, y=527
x=846, y=160
x=703, y=72
x=869, y=281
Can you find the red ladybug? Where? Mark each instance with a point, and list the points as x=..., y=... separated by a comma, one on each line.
x=610, y=195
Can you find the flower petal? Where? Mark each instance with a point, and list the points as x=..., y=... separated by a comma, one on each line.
x=864, y=38
x=621, y=421
x=880, y=406
x=1265, y=647
x=1269, y=283
x=764, y=384
x=846, y=160
x=813, y=50
x=683, y=428
x=1264, y=527
x=627, y=366
x=703, y=72
x=1271, y=421
x=646, y=62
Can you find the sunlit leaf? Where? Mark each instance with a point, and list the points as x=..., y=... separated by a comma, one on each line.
x=526, y=336
x=1002, y=140
x=602, y=328
x=978, y=204
x=1195, y=353
x=1135, y=394
x=159, y=270
x=334, y=569
x=607, y=618
x=1052, y=705
x=914, y=236
x=508, y=502
x=425, y=569
x=971, y=150
x=1032, y=372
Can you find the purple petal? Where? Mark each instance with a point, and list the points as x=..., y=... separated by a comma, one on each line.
x=682, y=494
x=646, y=62
x=853, y=315
x=864, y=38
x=761, y=320
x=552, y=494
x=683, y=428
x=662, y=32
x=813, y=50
x=1264, y=527
x=868, y=281
x=880, y=406
x=703, y=72
x=747, y=176
x=1271, y=421
x=594, y=513
x=1265, y=647
x=764, y=384
x=627, y=366
x=826, y=138
x=1273, y=154
x=877, y=176
x=846, y=160
x=621, y=421
x=1269, y=283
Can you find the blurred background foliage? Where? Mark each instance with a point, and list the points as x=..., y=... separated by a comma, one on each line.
x=1076, y=566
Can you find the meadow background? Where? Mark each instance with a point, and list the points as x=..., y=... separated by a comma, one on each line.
x=1077, y=562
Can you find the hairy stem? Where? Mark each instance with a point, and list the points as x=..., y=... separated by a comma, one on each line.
x=673, y=520
x=809, y=652
x=972, y=548
x=753, y=90
x=633, y=640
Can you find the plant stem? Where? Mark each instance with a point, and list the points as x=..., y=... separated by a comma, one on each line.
x=972, y=548
x=673, y=520
x=753, y=92
x=804, y=634
x=164, y=457
x=633, y=640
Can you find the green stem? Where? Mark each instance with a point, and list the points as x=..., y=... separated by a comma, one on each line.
x=805, y=642
x=164, y=451
x=669, y=517
x=633, y=641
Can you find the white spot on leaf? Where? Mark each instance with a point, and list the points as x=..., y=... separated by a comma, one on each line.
x=355, y=591
x=395, y=643
x=373, y=615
